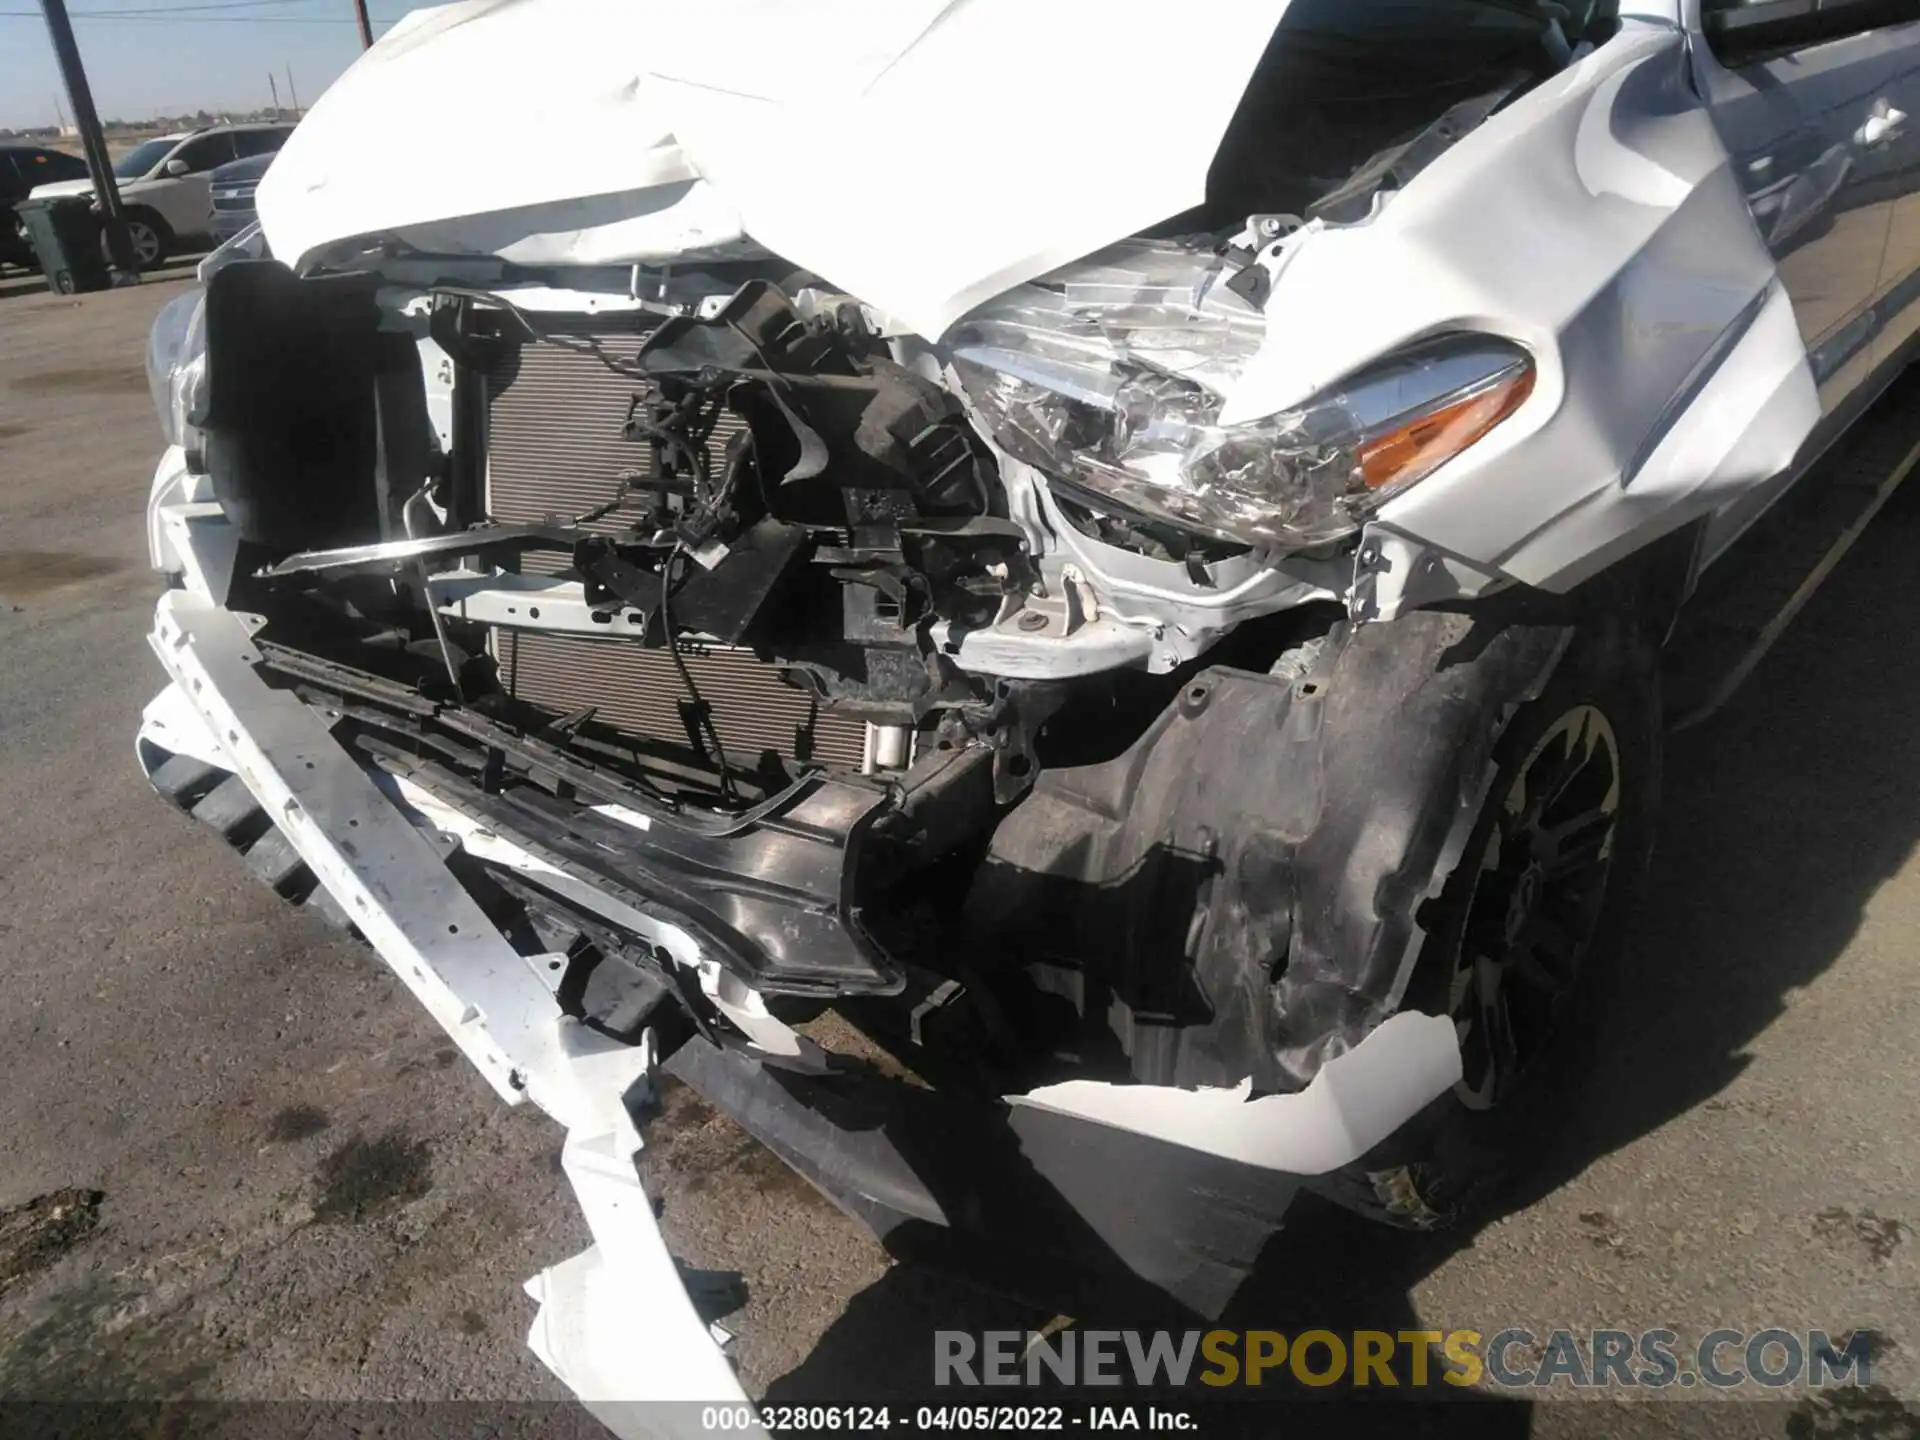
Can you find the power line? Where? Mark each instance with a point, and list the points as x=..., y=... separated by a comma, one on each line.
x=173, y=19
x=191, y=14
x=184, y=9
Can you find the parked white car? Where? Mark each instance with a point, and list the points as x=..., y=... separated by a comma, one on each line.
x=163, y=184
x=1128, y=560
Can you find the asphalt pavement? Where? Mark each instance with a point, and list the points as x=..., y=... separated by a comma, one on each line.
x=270, y=1177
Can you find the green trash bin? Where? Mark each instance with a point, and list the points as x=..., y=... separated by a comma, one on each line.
x=66, y=237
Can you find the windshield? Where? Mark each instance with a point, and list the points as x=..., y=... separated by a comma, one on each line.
x=142, y=158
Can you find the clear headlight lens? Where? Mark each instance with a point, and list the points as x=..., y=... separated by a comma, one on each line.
x=1110, y=375
x=247, y=244
x=177, y=362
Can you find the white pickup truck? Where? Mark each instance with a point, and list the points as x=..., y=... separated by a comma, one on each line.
x=1119, y=570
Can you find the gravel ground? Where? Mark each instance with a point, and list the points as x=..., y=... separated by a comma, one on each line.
x=268, y=1177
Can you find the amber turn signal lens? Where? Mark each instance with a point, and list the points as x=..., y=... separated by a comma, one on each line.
x=1418, y=447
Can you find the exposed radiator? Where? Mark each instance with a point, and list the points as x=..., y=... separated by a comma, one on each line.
x=638, y=691
x=554, y=445
x=553, y=448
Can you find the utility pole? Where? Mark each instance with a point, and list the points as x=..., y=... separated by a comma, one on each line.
x=293, y=95
x=106, y=191
x=273, y=86
x=366, y=25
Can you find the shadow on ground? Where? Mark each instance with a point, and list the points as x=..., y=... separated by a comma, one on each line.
x=18, y=284
x=1782, y=816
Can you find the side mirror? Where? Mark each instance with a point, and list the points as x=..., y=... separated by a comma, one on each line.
x=176, y=167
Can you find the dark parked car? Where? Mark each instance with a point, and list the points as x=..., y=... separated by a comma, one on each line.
x=232, y=189
x=21, y=168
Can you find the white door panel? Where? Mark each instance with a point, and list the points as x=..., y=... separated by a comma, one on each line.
x=1809, y=130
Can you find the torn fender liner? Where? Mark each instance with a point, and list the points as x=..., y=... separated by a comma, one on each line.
x=615, y=1323
x=1254, y=832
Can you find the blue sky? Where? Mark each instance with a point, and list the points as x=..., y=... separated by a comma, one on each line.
x=148, y=57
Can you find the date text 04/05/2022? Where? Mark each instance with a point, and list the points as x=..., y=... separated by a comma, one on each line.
x=989, y=1419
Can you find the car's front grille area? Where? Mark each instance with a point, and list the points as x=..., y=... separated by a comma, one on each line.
x=554, y=448
x=237, y=198
x=638, y=691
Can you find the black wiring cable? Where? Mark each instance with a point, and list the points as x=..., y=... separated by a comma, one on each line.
x=623, y=487
x=702, y=715
x=692, y=455
x=582, y=345
x=690, y=451
x=586, y=345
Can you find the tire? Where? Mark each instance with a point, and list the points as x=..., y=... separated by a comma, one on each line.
x=150, y=236
x=1549, y=932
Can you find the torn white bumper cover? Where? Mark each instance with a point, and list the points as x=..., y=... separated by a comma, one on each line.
x=615, y=1322
x=1355, y=1101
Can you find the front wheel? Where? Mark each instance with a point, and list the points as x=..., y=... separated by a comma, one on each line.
x=1536, y=908
x=148, y=237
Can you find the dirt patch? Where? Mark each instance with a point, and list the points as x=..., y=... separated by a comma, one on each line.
x=27, y=574
x=102, y=1343
x=1847, y=1412
x=770, y=1175
x=681, y=1106
x=1604, y=1233
x=296, y=1122
x=34, y=1235
x=92, y=380
x=1878, y=1235
x=362, y=1178
x=14, y=432
x=692, y=1148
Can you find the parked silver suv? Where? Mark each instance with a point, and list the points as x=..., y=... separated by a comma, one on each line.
x=164, y=184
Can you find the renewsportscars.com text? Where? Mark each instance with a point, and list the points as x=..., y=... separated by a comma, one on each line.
x=1512, y=1358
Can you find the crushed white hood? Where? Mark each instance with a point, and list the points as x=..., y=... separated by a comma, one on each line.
x=921, y=154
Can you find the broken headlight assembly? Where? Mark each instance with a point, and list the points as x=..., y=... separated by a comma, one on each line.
x=1110, y=376
x=177, y=362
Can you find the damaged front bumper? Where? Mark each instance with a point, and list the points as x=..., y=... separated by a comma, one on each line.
x=923, y=1169
x=615, y=1322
